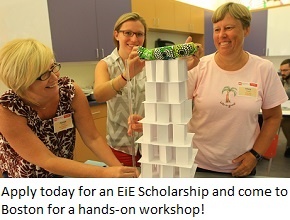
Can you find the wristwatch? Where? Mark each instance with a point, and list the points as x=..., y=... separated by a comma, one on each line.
x=256, y=154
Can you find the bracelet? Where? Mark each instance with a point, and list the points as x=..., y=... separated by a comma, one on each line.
x=118, y=92
x=123, y=78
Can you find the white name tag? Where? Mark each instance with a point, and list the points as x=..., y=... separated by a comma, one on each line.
x=62, y=122
x=248, y=89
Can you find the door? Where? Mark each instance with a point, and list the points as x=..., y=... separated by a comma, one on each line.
x=106, y=19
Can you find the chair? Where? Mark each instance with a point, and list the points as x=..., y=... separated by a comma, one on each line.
x=271, y=152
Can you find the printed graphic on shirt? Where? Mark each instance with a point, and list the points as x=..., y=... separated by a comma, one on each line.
x=248, y=89
x=228, y=92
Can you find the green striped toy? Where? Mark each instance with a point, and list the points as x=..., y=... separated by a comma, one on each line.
x=167, y=52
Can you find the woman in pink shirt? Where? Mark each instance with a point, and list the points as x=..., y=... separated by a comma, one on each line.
x=229, y=87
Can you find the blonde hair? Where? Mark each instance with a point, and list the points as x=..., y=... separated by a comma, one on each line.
x=132, y=16
x=238, y=11
x=22, y=61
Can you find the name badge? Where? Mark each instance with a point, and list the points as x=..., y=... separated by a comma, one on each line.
x=248, y=89
x=62, y=122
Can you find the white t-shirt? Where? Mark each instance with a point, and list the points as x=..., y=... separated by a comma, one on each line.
x=226, y=108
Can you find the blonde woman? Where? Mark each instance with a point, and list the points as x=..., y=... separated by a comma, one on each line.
x=111, y=80
x=39, y=116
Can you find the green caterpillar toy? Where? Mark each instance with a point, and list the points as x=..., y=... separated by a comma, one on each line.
x=167, y=52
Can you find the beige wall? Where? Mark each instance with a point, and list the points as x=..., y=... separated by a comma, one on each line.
x=277, y=60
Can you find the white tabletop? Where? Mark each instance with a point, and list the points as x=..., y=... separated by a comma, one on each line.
x=286, y=108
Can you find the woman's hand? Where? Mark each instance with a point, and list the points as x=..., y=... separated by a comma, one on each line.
x=121, y=172
x=134, y=124
x=247, y=163
x=134, y=63
x=193, y=60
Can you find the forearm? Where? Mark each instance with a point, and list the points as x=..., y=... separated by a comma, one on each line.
x=103, y=152
x=71, y=168
x=268, y=131
x=109, y=89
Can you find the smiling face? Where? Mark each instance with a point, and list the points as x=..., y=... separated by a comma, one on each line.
x=228, y=35
x=43, y=91
x=126, y=43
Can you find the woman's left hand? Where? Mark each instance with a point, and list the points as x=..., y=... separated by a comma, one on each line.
x=134, y=124
x=248, y=163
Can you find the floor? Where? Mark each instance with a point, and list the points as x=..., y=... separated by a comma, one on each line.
x=280, y=165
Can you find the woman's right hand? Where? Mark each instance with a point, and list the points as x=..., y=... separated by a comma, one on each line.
x=193, y=60
x=121, y=172
x=134, y=63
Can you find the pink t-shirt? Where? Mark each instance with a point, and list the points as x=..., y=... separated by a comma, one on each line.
x=226, y=108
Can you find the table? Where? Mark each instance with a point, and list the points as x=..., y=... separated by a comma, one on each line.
x=286, y=108
x=197, y=174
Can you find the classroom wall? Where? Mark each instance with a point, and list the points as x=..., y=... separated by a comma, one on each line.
x=36, y=24
x=83, y=72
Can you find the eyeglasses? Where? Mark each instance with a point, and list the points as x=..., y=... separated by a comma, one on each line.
x=54, y=69
x=131, y=34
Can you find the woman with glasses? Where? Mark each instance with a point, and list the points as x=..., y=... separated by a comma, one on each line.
x=111, y=80
x=39, y=115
